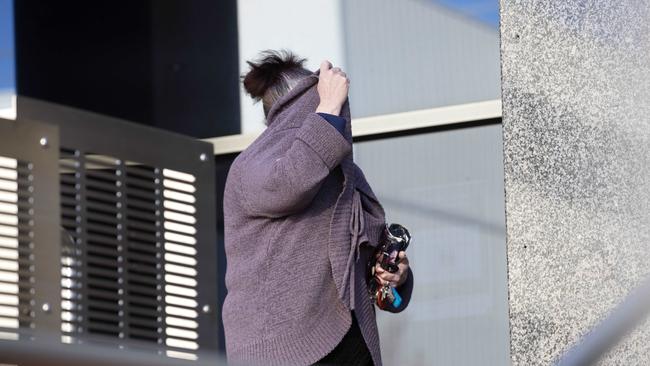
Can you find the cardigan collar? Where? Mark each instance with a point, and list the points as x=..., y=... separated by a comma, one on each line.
x=302, y=86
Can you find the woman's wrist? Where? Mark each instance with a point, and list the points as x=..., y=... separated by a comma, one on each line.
x=329, y=109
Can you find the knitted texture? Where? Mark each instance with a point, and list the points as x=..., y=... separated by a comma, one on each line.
x=288, y=215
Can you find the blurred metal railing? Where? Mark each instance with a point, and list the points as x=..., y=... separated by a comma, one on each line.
x=51, y=353
x=622, y=320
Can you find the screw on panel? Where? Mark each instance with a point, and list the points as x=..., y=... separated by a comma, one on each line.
x=206, y=309
x=46, y=307
x=43, y=141
x=203, y=157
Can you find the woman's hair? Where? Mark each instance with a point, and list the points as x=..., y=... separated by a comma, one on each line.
x=272, y=75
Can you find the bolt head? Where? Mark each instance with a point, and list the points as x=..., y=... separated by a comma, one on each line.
x=206, y=309
x=203, y=157
x=43, y=141
x=46, y=307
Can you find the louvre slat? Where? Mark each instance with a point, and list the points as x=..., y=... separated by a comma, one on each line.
x=141, y=205
x=93, y=186
x=96, y=250
x=143, y=271
x=140, y=172
x=107, y=198
x=105, y=282
x=101, y=264
x=102, y=217
x=145, y=196
x=110, y=242
x=141, y=238
x=101, y=272
x=145, y=216
x=94, y=162
x=144, y=292
x=101, y=206
x=140, y=258
x=141, y=184
x=101, y=175
x=149, y=279
x=144, y=333
x=143, y=228
x=102, y=230
x=144, y=306
x=100, y=329
x=68, y=179
x=107, y=305
x=142, y=248
x=101, y=295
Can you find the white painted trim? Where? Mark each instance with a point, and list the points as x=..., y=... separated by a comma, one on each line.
x=462, y=113
x=9, y=113
x=232, y=143
x=426, y=118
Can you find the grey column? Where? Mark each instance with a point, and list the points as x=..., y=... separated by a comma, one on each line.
x=576, y=119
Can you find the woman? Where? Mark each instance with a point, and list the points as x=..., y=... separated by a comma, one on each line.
x=301, y=223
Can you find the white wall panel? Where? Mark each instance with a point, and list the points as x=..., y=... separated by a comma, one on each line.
x=312, y=29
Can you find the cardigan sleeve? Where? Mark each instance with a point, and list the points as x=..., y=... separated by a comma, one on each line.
x=278, y=183
x=337, y=121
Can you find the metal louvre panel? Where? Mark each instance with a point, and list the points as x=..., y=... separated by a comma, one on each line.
x=144, y=253
x=16, y=258
x=179, y=236
x=29, y=281
x=121, y=276
x=73, y=262
x=140, y=234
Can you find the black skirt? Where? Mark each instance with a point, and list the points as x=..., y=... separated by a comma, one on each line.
x=351, y=351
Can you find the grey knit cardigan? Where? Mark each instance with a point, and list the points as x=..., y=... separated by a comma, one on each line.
x=301, y=222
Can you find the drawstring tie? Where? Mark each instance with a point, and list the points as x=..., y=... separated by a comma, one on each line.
x=357, y=229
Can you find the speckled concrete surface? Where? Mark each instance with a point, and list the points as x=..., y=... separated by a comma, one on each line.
x=576, y=94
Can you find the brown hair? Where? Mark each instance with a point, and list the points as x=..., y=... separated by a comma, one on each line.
x=272, y=75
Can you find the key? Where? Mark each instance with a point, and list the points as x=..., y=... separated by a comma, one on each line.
x=389, y=294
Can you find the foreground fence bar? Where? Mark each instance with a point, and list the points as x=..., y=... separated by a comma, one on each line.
x=625, y=317
x=39, y=353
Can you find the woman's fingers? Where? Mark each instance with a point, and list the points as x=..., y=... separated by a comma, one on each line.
x=333, y=87
x=383, y=281
x=387, y=276
x=403, y=259
x=325, y=65
x=397, y=278
x=337, y=70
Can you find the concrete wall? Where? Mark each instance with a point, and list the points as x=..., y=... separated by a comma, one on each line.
x=576, y=101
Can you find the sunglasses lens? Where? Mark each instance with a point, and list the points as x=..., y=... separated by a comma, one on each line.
x=399, y=231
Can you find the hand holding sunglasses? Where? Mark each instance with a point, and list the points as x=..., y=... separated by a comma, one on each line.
x=384, y=274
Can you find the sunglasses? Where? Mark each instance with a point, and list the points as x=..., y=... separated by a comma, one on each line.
x=395, y=238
